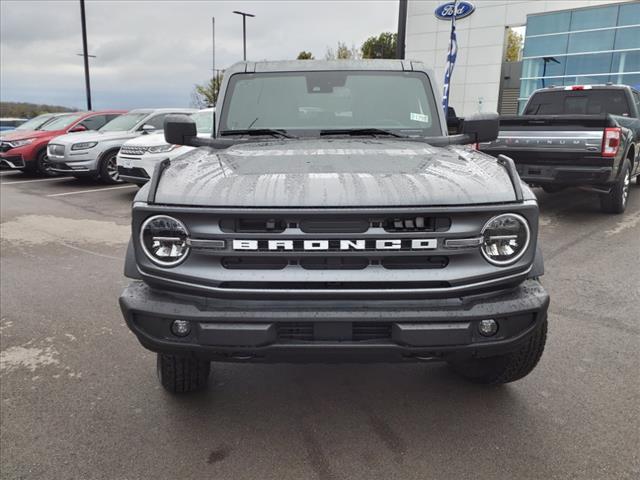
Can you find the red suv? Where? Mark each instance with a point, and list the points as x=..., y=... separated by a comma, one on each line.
x=27, y=151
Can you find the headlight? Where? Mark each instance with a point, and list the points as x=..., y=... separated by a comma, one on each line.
x=21, y=143
x=161, y=148
x=164, y=240
x=83, y=145
x=505, y=239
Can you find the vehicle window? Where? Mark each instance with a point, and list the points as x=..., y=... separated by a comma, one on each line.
x=123, y=122
x=95, y=122
x=204, y=121
x=331, y=100
x=579, y=102
x=35, y=122
x=10, y=123
x=61, y=122
x=157, y=121
x=111, y=116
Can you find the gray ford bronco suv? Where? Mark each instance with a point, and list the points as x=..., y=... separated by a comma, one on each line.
x=331, y=218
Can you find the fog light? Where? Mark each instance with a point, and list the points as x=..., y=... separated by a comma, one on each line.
x=181, y=328
x=488, y=328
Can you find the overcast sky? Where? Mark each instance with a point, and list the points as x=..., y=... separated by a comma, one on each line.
x=151, y=53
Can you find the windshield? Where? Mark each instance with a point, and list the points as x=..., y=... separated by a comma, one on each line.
x=336, y=100
x=60, y=123
x=204, y=121
x=579, y=102
x=35, y=122
x=123, y=122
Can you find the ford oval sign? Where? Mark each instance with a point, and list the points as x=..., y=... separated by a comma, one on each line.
x=446, y=10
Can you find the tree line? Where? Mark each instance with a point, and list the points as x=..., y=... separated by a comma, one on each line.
x=29, y=110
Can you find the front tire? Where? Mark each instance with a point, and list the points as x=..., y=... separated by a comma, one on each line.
x=505, y=368
x=182, y=374
x=616, y=200
x=109, y=169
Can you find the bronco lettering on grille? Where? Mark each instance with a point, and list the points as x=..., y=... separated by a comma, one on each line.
x=334, y=244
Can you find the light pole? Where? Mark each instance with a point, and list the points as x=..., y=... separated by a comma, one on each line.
x=244, y=31
x=85, y=54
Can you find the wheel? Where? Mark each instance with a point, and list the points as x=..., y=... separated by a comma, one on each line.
x=616, y=200
x=182, y=374
x=43, y=166
x=505, y=368
x=552, y=188
x=109, y=168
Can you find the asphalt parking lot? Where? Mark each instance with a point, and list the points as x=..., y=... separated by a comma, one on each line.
x=80, y=399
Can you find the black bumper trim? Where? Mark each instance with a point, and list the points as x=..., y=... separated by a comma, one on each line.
x=543, y=174
x=240, y=331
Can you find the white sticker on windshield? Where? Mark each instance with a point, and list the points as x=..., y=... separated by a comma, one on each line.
x=419, y=117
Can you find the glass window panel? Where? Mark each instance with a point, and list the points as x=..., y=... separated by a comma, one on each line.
x=627, y=38
x=586, y=80
x=629, y=14
x=544, y=46
x=527, y=87
x=594, y=63
x=591, y=41
x=599, y=17
x=626, y=62
x=548, y=23
x=632, y=80
x=535, y=67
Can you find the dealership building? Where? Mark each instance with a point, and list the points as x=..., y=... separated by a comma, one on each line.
x=565, y=43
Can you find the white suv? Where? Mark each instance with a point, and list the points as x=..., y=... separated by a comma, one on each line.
x=94, y=153
x=138, y=157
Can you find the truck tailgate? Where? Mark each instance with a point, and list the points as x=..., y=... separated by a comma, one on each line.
x=545, y=139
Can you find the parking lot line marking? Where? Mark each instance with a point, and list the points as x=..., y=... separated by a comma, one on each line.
x=36, y=180
x=89, y=191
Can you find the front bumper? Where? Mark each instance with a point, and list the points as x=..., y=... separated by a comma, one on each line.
x=569, y=175
x=340, y=330
x=12, y=161
x=80, y=163
x=133, y=175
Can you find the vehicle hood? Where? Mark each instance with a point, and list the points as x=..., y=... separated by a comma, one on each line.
x=22, y=134
x=334, y=173
x=94, y=136
x=151, y=140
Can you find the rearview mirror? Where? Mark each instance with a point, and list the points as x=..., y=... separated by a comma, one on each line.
x=78, y=128
x=481, y=127
x=146, y=128
x=179, y=130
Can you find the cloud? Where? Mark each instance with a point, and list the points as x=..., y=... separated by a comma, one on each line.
x=151, y=53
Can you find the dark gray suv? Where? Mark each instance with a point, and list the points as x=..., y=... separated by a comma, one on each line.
x=331, y=218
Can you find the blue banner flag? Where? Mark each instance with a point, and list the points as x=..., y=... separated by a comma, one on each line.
x=451, y=61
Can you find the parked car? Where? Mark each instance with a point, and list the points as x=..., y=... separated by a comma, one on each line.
x=139, y=156
x=8, y=124
x=28, y=150
x=332, y=218
x=95, y=155
x=32, y=124
x=583, y=135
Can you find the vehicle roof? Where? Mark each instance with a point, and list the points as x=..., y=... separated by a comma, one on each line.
x=320, y=65
x=599, y=86
x=7, y=119
x=155, y=110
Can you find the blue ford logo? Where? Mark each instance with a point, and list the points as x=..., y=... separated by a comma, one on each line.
x=447, y=10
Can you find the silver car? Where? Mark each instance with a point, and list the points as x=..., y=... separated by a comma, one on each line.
x=94, y=153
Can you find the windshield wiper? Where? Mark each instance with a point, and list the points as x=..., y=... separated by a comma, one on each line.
x=361, y=131
x=274, y=132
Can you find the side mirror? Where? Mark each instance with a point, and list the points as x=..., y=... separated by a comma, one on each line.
x=148, y=128
x=78, y=128
x=179, y=130
x=481, y=127
x=453, y=121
